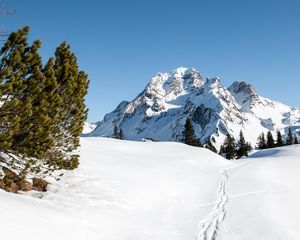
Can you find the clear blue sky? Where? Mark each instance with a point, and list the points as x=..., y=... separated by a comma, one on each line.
x=122, y=44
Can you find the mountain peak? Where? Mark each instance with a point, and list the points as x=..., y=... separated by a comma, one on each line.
x=175, y=83
x=245, y=94
x=160, y=110
x=242, y=87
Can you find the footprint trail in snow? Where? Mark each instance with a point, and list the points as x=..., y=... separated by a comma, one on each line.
x=210, y=225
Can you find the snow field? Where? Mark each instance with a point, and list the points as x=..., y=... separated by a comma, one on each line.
x=149, y=190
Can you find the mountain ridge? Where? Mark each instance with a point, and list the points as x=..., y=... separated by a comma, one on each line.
x=160, y=110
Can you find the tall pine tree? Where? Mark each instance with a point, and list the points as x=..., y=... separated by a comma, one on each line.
x=261, y=141
x=121, y=134
x=270, y=140
x=116, y=133
x=189, y=136
x=289, y=138
x=229, y=147
x=242, y=149
x=72, y=88
x=33, y=136
x=279, y=142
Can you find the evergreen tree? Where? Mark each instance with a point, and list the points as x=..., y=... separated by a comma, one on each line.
x=222, y=150
x=210, y=146
x=188, y=133
x=33, y=137
x=229, y=147
x=116, y=134
x=296, y=141
x=279, y=142
x=13, y=70
x=289, y=138
x=42, y=110
x=242, y=147
x=72, y=88
x=121, y=135
x=261, y=141
x=54, y=103
x=270, y=140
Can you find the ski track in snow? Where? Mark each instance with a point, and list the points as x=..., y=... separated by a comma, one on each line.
x=210, y=225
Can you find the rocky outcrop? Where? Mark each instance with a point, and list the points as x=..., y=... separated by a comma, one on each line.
x=12, y=182
x=39, y=184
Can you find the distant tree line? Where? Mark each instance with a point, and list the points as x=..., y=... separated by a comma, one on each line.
x=269, y=142
x=118, y=134
x=42, y=109
x=231, y=148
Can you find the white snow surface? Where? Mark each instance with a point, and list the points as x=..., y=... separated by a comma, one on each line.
x=126, y=190
x=88, y=127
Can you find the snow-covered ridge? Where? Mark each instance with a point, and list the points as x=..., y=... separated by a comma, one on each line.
x=160, y=110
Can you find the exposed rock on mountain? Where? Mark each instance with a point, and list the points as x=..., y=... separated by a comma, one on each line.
x=161, y=109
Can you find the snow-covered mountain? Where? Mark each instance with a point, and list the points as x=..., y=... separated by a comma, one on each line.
x=161, y=109
x=88, y=127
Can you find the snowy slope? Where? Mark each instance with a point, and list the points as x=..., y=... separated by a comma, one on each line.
x=168, y=191
x=122, y=190
x=88, y=127
x=264, y=196
x=160, y=110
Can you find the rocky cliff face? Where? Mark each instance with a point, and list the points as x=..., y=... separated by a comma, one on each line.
x=161, y=109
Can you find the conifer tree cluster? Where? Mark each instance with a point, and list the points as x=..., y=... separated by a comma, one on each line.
x=118, y=134
x=208, y=144
x=231, y=150
x=264, y=143
x=189, y=136
x=42, y=110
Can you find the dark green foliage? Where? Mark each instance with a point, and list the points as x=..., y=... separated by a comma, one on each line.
x=242, y=147
x=72, y=86
x=121, y=135
x=261, y=141
x=14, y=57
x=118, y=135
x=189, y=136
x=279, y=142
x=210, y=146
x=296, y=141
x=42, y=112
x=228, y=148
x=270, y=140
x=290, y=137
x=33, y=135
